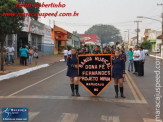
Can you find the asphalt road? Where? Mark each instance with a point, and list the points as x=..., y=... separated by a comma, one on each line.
x=46, y=92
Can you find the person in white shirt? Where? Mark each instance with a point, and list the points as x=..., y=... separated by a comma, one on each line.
x=141, y=62
x=11, y=51
x=65, y=54
x=69, y=52
x=136, y=56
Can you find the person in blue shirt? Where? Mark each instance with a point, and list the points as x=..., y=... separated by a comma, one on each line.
x=130, y=58
x=118, y=72
x=24, y=55
x=72, y=72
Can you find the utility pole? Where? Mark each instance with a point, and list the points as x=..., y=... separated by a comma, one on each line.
x=162, y=20
x=128, y=32
x=128, y=36
x=137, y=30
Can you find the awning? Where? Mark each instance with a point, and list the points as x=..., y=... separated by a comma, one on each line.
x=61, y=39
x=152, y=41
x=61, y=32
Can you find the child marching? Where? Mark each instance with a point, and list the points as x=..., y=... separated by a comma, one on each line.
x=118, y=73
x=72, y=72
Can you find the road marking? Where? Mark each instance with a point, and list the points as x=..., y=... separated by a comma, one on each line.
x=31, y=115
x=150, y=120
x=68, y=117
x=136, y=88
x=109, y=118
x=132, y=89
x=36, y=83
x=121, y=100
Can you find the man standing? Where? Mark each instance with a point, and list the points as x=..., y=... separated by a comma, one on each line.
x=136, y=56
x=11, y=51
x=141, y=62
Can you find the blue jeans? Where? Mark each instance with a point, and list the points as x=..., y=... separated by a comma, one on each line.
x=10, y=59
x=130, y=65
x=30, y=59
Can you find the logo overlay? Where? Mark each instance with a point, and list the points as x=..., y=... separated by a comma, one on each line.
x=14, y=114
x=95, y=72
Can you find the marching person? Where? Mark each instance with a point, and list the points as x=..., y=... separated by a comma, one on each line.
x=72, y=72
x=141, y=62
x=87, y=50
x=130, y=58
x=80, y=51
x=123, y=56
x=105, y=51
x=97, y=50
x=118, y=73
x=136, y=56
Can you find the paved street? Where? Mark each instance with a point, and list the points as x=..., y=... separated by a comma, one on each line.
x=46, y=92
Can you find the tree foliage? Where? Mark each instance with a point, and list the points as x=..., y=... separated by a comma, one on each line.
x=9, y=24
x=31, y=9
x=146, y=45
x=107, y=33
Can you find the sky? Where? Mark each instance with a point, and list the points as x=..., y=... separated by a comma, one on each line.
x=120, y=13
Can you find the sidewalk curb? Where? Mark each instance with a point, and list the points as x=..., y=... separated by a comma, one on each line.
x=155, y=56
x=21, y=72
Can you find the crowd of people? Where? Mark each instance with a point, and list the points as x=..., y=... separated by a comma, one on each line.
x=26, y=55
x=135, y=57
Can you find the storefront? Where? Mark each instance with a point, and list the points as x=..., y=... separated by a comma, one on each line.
x=59, y=36
x=153, y=45
x=48, y=43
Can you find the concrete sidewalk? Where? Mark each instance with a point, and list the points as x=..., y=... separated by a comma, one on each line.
x=42, y=60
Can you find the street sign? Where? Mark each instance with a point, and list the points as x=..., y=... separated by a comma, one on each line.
x=95, y=72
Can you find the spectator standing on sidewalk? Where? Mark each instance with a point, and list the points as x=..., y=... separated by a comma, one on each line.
x=24, y=55
x=30, y=54
x=72, y=72
x=118, y=73
x=20, y=56
x=130, y=58
x=136, y=56
x=141, y=62
x=65, y=54
x=5, y=53
x=36, y=56
x=11, y=51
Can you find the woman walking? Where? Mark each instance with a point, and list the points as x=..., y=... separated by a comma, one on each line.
x=118, y=73
x=72, y=72
x=130, y=58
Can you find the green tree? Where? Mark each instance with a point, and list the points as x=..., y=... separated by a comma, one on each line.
x=107, y=33
x=146, y=44
x=31, y=9
x=9, y=24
